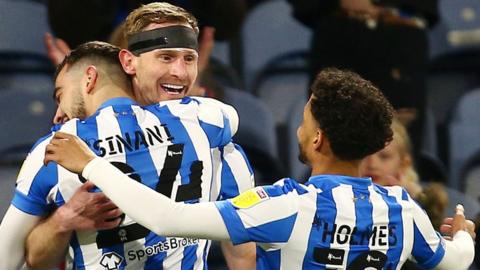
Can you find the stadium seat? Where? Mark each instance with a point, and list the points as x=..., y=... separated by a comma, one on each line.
x=464, y=130
x=269, y=30
x=298, y=170
x=8, y=176
x=280, y=83
x=470, y=176
x=458, y=29
x=22, y=27
x=26, y=116
x=256, y=133
x=455, y=55
x=471, y=205
x=23, y=57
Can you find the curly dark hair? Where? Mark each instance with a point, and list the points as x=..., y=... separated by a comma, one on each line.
x=353, y=114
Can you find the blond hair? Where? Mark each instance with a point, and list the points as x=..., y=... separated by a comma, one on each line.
x=400, y=135
x=157, y=12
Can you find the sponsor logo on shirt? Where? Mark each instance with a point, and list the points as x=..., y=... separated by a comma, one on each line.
x=168, y=244
x=111, y=261
x=250, y=198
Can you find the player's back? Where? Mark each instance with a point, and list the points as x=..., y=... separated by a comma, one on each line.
x=166, y=147
x=335, y=222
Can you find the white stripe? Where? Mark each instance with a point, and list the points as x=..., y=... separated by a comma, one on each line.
x=407, y=223
x=239, y=167
x=379, y=216
x=68, y=182
x=227, y=110
x=158, y=153
x=32, y=164
x=90, y=252
x=294, y=252
x=173, y=261
x=199, y=140
x=344, y=201
x=263, y=211
x=216, y=174
x=199, y=263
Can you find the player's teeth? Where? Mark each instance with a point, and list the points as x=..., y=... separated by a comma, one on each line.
x=173, y=86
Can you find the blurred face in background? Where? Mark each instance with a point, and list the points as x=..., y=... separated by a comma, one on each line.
x=384, y=165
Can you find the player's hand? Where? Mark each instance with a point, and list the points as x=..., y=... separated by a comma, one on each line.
x=88, y=211
x=205, y=49
x=451, y=225
x=361, y=7
x=69, y=151
x=57, y=48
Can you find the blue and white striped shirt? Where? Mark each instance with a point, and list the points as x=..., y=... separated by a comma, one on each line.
x=332, y=222
x=180, y=148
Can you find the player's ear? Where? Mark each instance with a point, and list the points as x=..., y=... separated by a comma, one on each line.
x=318, y=139
x=90, y=78
x=127, y=59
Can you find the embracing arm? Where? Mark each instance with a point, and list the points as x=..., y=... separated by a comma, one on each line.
x=168, y=218
x=460, y=250
x=47, y=244
x=13, y=231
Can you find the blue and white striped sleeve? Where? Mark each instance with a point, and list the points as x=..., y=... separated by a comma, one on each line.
x=262, y=214
x=235, y=174
x=428, y=246
x=218, y=120
x=35, y=182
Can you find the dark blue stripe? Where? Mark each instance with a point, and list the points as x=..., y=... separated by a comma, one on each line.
x=140, y=160
x=29, y=205
x=88, y=131
x=436, y=258
x=180, y=135
x=238, y=233
x=35, y=202
x=395, y=223
x=268, y=260
x=363, y=222
x=77, y=253
x=282, y=227
x=155, y=262
x=322, y=224
x=421, y=250
x=229, y=187
x=217, y=136
x=189, y=257
x=205, y=252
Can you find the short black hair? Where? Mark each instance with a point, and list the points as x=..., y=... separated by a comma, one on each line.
x=95, y=51
x=352, y=113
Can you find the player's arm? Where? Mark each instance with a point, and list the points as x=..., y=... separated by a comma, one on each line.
x=14, y=229
x=217, y=221
x=431, y=251
x=168, y=218
x=235, y=176
x=460, y=251
x=47, y=243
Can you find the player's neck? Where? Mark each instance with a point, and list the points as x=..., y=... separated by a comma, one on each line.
x=104, y=94
x=335, y=166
